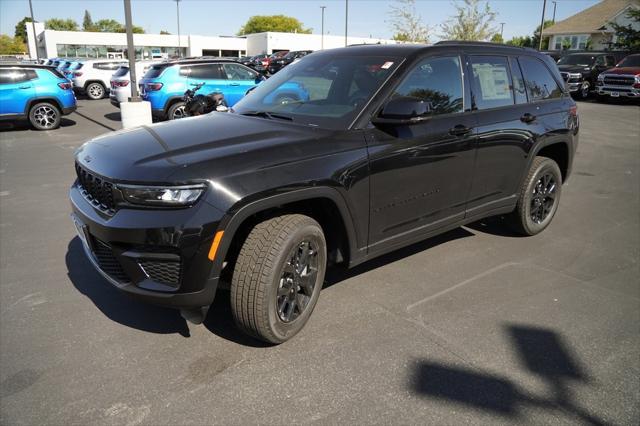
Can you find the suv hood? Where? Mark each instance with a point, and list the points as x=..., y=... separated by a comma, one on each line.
x=176, y=151
x=623, y=70
x=573, y=68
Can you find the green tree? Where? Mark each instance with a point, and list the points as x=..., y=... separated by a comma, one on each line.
x=406, y=23
x=497, y=38
x=11, y=45
x=108, y=26
x=61, y=24
x=535, y=39
x=520, y=41
x=164, y=32
x=87, y=22
x=276, y=23
x=21, y=30
x=628, y=36
x=471, y=22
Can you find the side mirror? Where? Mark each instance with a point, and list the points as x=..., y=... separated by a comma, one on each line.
x=222, y=108
x=404, y=110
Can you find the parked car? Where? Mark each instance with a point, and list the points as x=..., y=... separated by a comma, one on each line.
x=580, y=70
x=277, y=64
x=120, y=87
x=93, y=78
x=621, y=81
x=273, y=57
x=164, y=84
x=38, y=93
x=395, y=144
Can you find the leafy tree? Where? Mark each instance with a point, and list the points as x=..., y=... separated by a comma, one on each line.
x=535, y=39
x=61, y=24
x=21, y=31
x=471, y=22
x=108, y=26
x=276, y=23
x=164, y=32
x=406, y=23
x=497, y=38
x=134, y=29
x=87, y=22
x=628, y=36
x=11, y=45
x=520, y=41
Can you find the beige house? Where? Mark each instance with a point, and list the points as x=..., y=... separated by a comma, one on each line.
x=591, y=28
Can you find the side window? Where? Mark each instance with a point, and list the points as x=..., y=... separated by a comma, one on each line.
x=518, y=82
x=610, y=61
x=491, y=81
x=238, y=72
x=206, y=72
x=5, y=78
x=437, y=81
x=185, y=71
x=29, y=75
x=538, y=79
x=12, y=76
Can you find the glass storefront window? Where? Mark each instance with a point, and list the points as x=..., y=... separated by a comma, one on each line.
x=117, y=52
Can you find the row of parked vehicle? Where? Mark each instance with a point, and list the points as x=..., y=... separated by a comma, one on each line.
x=606, y=74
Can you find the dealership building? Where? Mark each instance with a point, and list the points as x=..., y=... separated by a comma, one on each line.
x=80, y=44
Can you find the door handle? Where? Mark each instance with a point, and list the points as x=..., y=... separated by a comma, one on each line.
x=24, y=87
x=527, y=118
x=234, y=84
x=459, y=130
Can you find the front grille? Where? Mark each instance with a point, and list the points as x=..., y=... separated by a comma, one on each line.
x=619, y=80
x=97, y=191
x=108, y=262
x=162, y=271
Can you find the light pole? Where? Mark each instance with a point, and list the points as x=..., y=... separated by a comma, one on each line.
x=501, y=28
x=544, y=6
x=33, y=26
x=346, y=21
x=322, y=30
x=554, y=11
x=131, y=52
x=178, y=18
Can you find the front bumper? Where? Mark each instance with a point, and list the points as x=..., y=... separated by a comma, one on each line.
x=125, y=246
x=619, y=91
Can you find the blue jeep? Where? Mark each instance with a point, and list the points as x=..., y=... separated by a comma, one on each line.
x=164, y=84
x=38, y=93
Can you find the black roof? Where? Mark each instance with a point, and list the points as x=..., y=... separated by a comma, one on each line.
x=23, y=65
x=193, y=61
x=411, y=49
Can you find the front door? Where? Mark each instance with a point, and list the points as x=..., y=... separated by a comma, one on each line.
x=16, y=88
x=421, y=173
x=239, y=80
x=211, y=75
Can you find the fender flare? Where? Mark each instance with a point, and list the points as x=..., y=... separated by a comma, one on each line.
x=31, y=102
x=230, y=223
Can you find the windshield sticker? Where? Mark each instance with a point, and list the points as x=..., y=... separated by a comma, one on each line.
x=387, y=65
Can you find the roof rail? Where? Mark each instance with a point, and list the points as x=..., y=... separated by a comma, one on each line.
x=479, y=43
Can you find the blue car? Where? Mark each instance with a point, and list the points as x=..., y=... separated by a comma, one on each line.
x=164, y=84
x=69, y=68
x=38, y=93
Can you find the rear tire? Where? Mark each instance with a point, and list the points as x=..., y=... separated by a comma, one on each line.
x=539, y=197
x=278, y=277
x=95, y=91
x=45, y=116
x=177, y=111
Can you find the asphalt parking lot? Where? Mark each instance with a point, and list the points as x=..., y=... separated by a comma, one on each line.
x=475, y=326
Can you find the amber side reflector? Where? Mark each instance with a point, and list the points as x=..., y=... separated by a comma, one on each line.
x=215, y=244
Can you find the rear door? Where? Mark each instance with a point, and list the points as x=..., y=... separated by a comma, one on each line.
x=239, y=80
x=16, y=88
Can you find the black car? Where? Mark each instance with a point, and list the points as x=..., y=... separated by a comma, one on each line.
x=277, y=64
x=580, y=70
x=390, y=145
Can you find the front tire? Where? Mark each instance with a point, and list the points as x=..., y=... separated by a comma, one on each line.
x=539, y=197
x=45, y=116
x=95, y=91
x=583, y=93
x=176, y=111
x=278, y=277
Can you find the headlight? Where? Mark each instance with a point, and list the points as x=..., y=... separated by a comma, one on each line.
x=171, y=196
x=575, y=75
x=601, y=77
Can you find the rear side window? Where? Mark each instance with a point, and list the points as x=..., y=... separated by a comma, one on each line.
x=437, y=81
x=540, y=83
x=106, y=65
x=206, y=72
x=11, y=76
x=55, y=72
x=491, y=81
x=155, y=71
x=121, y=72
x=238, y=72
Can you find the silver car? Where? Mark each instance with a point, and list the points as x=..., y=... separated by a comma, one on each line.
x=120, y=83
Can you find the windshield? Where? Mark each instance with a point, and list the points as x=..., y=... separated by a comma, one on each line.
x=320, y=90
x=580, y=60
x=630, y=61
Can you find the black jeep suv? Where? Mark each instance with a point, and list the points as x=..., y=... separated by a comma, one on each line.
x=386, y=146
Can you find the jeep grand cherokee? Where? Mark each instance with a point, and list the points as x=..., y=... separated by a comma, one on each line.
x=394, y=144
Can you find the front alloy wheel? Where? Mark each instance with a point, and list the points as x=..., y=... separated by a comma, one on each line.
x=297, y=281
x=44, y=116
x=95, y=91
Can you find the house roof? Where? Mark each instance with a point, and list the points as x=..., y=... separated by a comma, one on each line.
x=591, y=20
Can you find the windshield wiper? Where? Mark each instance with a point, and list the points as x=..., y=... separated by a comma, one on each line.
x=267, y=114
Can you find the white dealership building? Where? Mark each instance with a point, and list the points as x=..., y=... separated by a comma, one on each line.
x=82, y=44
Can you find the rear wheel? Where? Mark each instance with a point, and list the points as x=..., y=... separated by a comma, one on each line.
x=44, y=116
x=278, y=277
x=539, y=197
x=95, y=91
x=177, y=111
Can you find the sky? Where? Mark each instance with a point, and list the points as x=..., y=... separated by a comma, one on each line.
x=225, y=17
